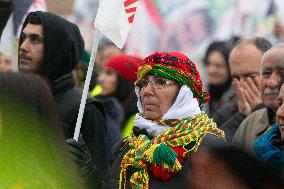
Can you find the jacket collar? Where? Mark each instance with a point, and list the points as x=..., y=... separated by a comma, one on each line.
x=264, y=121
x=63, y=84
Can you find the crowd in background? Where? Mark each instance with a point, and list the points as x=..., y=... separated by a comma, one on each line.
x=149, y=122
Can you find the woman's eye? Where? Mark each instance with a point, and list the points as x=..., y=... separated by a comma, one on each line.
x=142, y=83
x=109, y=72
x=161, y=81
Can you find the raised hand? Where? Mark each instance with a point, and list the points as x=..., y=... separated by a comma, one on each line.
x=252, y=91
x=244, y=106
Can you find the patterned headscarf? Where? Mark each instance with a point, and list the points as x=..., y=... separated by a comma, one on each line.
x=175, y=66
x=177, y=134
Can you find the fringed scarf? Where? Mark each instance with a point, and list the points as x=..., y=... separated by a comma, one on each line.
x=165, y=153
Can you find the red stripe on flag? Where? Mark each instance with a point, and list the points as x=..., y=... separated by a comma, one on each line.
x=130, y=10
x=129, y=2
x=131, y=18
x=153, y=12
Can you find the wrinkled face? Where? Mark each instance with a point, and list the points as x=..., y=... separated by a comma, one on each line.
x=107, y=78
x=157, y=96
x=217, y=71
x=5, y=63
x=280, y=111
x=245, y=62
x=272, y=70
x=31, y=49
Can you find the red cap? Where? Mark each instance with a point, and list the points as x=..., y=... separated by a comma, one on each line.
x=124, y=65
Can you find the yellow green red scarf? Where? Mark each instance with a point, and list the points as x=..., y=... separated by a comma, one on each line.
x=166, y=151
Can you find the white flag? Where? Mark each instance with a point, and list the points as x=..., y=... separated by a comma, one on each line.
x=114, y=19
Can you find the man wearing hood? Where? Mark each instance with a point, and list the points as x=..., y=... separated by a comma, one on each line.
x=52, y=46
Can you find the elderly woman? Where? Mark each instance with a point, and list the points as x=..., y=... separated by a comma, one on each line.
x=269, y=147
x=168, y=128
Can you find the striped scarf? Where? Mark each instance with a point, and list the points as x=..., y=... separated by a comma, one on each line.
x=145, y=153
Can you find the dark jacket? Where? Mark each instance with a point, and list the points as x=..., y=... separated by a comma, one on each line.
x=5, y=11
x=63, y=48
x=68, y=98
x=252, y=127
x=231, y=126
x=224, y=109
x=114, y=118
x=179, y=180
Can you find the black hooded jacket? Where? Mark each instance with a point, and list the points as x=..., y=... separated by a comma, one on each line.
x=63, y=48
x=63, y=45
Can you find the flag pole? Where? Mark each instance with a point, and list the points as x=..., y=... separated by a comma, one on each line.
x=97, y=38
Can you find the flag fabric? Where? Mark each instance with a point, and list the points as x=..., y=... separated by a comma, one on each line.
x=114, y=19
x=22, y=9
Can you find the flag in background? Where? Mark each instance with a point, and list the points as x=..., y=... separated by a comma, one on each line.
x=114, y=19
x=22, y=9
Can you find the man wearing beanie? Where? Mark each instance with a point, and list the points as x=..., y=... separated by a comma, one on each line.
x=51, y=47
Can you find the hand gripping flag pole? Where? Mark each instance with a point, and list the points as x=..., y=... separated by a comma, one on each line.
x=113, y=20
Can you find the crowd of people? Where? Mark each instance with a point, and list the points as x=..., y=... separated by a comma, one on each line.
x=148, y=122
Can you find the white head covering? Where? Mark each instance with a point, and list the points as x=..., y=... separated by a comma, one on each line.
x=185, y=106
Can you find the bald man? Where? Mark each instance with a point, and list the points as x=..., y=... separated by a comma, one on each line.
x=245, y=67
x=272, y=70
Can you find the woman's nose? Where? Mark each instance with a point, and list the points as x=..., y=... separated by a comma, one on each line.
x=101, y=77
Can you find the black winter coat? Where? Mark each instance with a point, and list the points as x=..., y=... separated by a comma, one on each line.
x=93, y=130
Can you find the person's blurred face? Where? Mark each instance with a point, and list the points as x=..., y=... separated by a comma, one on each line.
x=280, y=111
x=5, y=63
x=272, y=70
x=209, y=171
x=278, y=30
x=157, y=101
x=107, y=79
x=31, y=49
x=217, y=71
x=245, y=62
x=108, y=52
